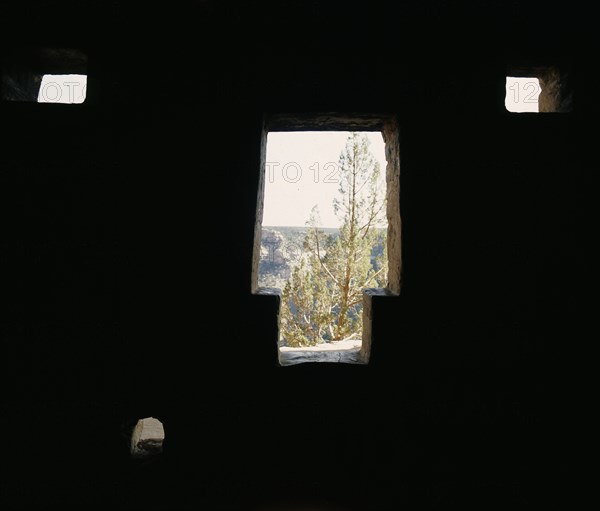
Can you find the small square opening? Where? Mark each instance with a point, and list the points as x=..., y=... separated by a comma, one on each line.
x=44, y=75
x=66, y=89
x=537, y=89
x=522, y=94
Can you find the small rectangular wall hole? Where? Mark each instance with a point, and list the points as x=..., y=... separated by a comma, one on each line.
x=65, y=89
x=537, y=89
x=44, y=75
x=522, y=94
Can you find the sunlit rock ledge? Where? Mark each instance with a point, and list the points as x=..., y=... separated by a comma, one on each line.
x=347, y=351
x=147, y=438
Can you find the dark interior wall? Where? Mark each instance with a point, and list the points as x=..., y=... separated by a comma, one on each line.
x=127, y=236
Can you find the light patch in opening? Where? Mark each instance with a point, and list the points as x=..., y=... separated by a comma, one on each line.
x=65, y=89
x=522, y=94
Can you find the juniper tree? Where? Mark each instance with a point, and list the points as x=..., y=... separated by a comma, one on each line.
x=323, y=299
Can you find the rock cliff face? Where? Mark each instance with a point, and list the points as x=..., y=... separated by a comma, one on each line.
x=280, y=250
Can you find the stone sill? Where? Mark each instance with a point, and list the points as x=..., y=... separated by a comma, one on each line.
x=348, y=352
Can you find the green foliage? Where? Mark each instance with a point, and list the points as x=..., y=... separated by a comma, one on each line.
x=322, y=301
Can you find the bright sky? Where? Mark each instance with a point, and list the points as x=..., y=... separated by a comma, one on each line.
x=522, y=94
x=301, y=171
x=68, y=89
